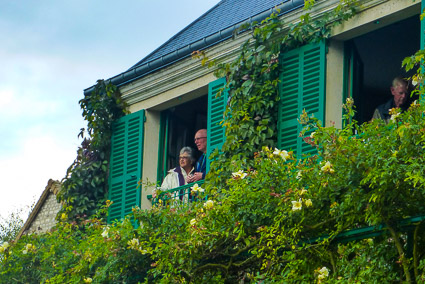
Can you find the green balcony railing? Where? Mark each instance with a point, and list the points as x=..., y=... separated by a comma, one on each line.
x=180, y=196
x=370, y=231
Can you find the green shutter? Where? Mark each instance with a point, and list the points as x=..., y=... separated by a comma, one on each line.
x=422, y=98
x=302, y=86
x=216, y=108
x=422, y=26
x=126, y=164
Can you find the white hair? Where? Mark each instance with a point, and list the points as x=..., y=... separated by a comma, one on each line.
x=189, y=151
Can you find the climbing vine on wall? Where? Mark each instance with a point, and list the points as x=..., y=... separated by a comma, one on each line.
x=84, y=188
x=253, y=78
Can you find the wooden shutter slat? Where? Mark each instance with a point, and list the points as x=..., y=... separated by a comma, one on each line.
x=301, y=87
x=216, y=108
x=126, y=164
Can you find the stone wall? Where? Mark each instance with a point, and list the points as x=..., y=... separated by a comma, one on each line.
x=43, y=216
x=45, y=219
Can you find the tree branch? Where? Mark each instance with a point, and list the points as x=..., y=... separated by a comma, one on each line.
x=399, y=247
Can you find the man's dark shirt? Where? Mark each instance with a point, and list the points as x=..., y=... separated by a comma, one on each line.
x=201, y=165
x=383, y=111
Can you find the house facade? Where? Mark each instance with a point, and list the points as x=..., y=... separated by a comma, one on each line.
x=170, y=95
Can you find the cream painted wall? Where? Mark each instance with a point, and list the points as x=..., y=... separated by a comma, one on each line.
x=178, y=95
x=150, y=153
x=334, y=83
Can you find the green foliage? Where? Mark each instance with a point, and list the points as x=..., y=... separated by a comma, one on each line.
x=281, y=221
x=76, y=253
x=84, y=188
x=252, y=80
x=286, y=221
x=10, y=226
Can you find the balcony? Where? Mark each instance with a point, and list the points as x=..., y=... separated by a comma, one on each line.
x=179, y=196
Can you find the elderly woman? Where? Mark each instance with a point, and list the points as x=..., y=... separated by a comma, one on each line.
x=177, y=177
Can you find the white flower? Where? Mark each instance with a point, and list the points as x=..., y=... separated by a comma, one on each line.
x=324, y=272
x=327, y=168
x=299, y=174
x=394, y=116
x=296, y=205
x=282, y=153
x=209, y=204
x=308, y=203
x=312, y=135
x=133, y=243
x=414, y=82
x=105, y=232
x=193, y=222
x=239, y=174
x=196, y=188
x=28, y=248
x=5, y=245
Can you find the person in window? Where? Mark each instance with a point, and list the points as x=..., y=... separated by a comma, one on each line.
x=201, y=164
x=399, y=90
x=177, y=177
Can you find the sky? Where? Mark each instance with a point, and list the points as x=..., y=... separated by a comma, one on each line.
x=50, y=51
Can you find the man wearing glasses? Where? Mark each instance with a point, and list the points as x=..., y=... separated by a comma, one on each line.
x=201, y=164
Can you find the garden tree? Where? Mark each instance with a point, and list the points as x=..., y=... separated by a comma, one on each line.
x=10, y=228
x=11, y=225
x=265, y=215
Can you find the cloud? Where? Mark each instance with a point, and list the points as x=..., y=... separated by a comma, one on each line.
x=25, y=175
x=7, y=96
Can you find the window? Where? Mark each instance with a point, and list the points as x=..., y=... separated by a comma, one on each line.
x=180, y=123
x=372, y=60
x=178, y=127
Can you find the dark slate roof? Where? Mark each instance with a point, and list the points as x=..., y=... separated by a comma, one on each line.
x=225, y=14
x=216, y=25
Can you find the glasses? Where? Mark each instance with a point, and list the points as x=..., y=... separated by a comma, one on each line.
x=183, y=158
x=199, y=138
